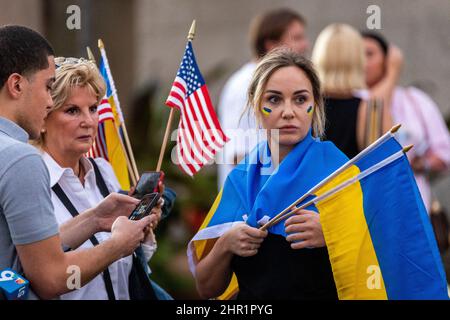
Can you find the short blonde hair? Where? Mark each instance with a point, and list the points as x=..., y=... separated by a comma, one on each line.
x=280, y=58
x=70, y=73
x=338, y=55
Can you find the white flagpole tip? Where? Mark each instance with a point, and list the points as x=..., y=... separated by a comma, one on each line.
x=90, y=54
x=191, y=34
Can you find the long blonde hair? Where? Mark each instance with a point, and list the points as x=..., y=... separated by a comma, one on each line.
x=338, y=56
x=280, y=58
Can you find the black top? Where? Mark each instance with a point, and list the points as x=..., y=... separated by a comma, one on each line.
x=279, y=272
x=341, y=122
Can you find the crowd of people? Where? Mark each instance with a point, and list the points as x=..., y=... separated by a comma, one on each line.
x=59, y=208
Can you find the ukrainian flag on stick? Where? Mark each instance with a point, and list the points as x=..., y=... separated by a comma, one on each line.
x=110, y=143
x=114, y=142
x=377, y=231
x=379, y=238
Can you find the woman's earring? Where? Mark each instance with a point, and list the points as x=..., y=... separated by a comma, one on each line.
x=43, y=130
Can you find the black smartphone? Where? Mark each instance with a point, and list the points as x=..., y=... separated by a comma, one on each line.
x=148, y=183
x=144, y=207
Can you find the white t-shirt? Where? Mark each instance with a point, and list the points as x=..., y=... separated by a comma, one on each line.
x=84, y=198
x=232, y=103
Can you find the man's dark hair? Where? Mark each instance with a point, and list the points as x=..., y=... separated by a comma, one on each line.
x=271, y=25
x=378, y=38
x=22, y=51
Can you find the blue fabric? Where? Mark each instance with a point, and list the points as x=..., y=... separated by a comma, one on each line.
x=189, y=70
x=104, y=74
x=161, y=294
x=256, y=188
x=400, y=229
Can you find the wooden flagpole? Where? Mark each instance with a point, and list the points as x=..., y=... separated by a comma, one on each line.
x=129, y=149
x=292, y=208
x=190, y=37
x=277, y=219
x=90, y=55
x=129, y=167
x=297, y=209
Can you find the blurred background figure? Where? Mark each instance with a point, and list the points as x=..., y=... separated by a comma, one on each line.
x=422, y=123
x=338, y=55
x=272, y=29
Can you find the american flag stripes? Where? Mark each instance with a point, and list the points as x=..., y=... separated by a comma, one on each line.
x=199, y=134
x=104, y=111
x=99, y=147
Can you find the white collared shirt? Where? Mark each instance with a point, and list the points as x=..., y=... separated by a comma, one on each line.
x=83, y=198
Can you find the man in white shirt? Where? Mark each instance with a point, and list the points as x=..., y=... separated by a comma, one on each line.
x=280, y=27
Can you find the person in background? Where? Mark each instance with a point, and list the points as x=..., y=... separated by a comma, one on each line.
x=422, y=123
x=338, y=55
x=272, y=29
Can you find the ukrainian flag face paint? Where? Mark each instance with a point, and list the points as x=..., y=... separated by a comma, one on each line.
x=266, y=110
x=310, y=110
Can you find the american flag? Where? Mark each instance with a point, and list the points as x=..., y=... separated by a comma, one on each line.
x=99, y=147
x=199, y=134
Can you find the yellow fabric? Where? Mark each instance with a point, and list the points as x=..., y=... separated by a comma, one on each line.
x=116, y=154
x=115, y=111
x=201, y=245
x=232, y=289
x=354, y=263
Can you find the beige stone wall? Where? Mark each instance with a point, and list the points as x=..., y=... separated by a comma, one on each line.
x=24, y=12
x=419, y=27
x=151, y=34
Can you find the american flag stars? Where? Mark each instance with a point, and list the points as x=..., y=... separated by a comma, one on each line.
x=199, y=134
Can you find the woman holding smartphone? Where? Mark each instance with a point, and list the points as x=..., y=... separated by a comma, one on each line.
x=79, y=183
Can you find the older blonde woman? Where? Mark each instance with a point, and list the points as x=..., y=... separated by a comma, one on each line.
x=78, y=183
x=290, y=260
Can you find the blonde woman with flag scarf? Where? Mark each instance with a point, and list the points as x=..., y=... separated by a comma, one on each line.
x=290, y=260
